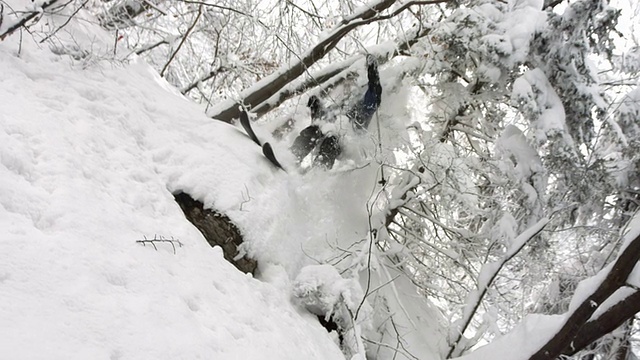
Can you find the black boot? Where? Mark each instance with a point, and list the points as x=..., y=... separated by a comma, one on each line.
x=329, y=150
x=306, y=141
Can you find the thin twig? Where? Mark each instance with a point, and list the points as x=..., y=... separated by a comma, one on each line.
x=115, y=42
x=221, y=7
x=303, y=10
x=66, y=22
x=373, y=236
x=186, y=34
x=156, y=239
x=150, y=47
x=396, y=349
x=206, y=77
x=155, y=7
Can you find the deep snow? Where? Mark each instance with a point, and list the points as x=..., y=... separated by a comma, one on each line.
x=90, y=153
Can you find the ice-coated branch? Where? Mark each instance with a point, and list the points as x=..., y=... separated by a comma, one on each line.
x=26, y=17
x=609, y=280
x=265, y=88
x=488, y=273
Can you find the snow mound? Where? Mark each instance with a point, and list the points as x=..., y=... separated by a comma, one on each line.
x=89, y=159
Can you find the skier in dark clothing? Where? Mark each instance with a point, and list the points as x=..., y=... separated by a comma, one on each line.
x=360, y=117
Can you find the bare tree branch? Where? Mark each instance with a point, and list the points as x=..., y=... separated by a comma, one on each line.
x=184, y=38
x=66, y=22
x=1, y=14
x=152, y=46
x=217, y=6
x=203, y=78
x=292, y=90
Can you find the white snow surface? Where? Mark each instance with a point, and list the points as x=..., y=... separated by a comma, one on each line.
x=90, y=154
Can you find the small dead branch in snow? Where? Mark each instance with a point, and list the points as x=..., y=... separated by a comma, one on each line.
x=160, y=239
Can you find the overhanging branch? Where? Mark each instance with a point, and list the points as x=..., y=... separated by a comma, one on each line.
x=268, y=86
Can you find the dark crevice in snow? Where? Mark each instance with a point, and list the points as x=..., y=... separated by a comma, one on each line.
x=217, y=229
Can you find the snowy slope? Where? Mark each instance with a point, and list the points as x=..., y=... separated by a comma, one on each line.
x=89, y=156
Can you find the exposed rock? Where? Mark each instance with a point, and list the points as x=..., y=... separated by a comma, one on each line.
x=217, y=229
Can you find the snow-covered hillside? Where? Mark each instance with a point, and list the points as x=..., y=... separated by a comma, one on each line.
x=89, y=157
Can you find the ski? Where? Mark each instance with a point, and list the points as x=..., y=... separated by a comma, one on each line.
x=244, y=121
x=267, y=150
